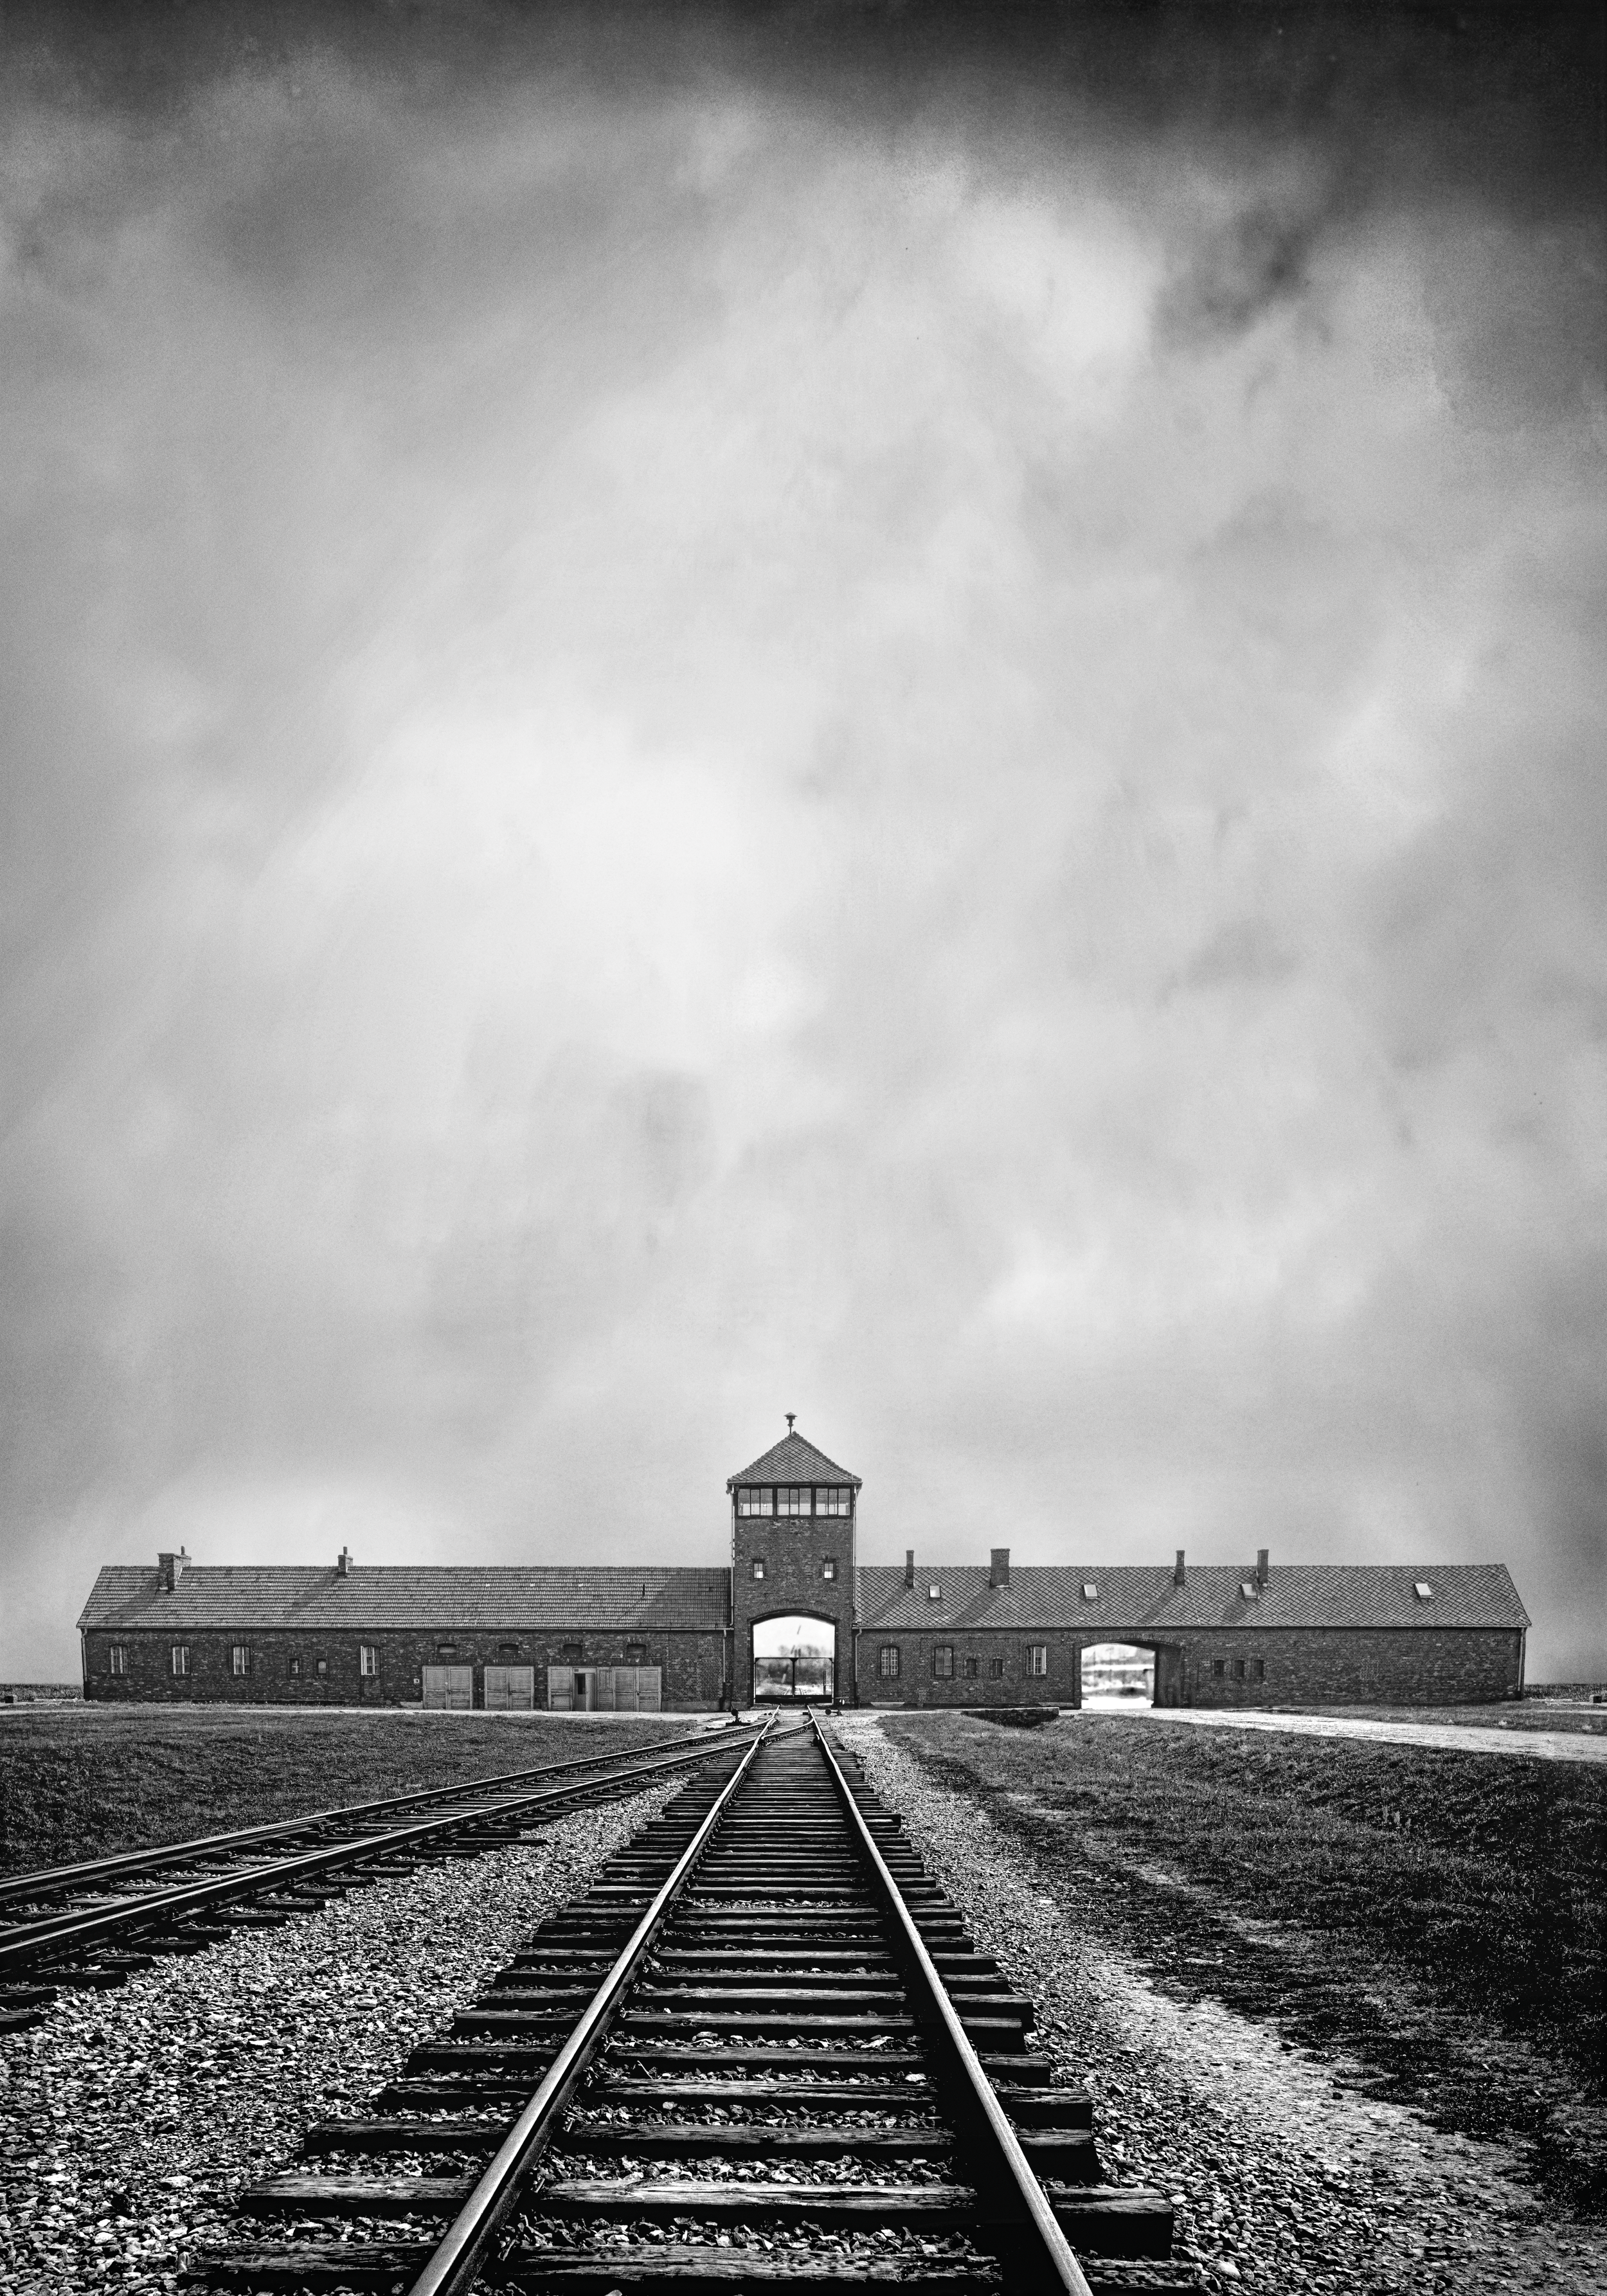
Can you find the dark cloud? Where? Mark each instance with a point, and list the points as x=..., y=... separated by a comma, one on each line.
x=885, y=713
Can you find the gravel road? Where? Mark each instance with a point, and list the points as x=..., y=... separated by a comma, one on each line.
x=1283, y=2180
x=128, y=2119
x=1540, y=1745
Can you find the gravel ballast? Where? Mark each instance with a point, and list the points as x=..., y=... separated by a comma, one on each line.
x=129, y=2119
x=1280, y=2178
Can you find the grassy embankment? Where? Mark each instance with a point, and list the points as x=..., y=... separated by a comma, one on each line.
x=1435, y=1917
x=82, y=1782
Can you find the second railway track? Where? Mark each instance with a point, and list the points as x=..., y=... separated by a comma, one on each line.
x=762, y=2049
x=97, y=1922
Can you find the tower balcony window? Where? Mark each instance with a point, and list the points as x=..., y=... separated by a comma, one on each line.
x=793, y=1500
x=754, y=1500
x=829, y=1500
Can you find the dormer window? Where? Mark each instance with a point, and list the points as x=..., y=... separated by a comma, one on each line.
x=1249, y=1590
x=1090, y=1590
x=1423, y=1590
x=934, y=1593
x=758, y=1566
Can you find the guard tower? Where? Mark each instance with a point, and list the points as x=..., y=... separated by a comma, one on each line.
x=792, y=1515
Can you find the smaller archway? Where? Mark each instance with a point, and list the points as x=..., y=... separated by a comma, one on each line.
x=794, y=1656
x=1118, y=1676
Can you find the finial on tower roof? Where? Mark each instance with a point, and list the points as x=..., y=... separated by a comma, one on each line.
x=792, y=1415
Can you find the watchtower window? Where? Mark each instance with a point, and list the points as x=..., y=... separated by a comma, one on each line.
x=754, y=1501
x=792, y=1499
x=758, y=1566
x=831, y=1500
x=828, y=1568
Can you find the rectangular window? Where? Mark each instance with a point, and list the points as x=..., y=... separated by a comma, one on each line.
x=828, y=1568
x=1238, y=1669
x=973, y=1667
x=758, y=1566
x=1218, y=1666
x=887, y=1661
x=368, y=1659
x=756, y=1501
x=181, y=1658
x=943, y=1662
x=996, y=1669
x=1037, y=1658
x=571, y=1653
x=830, y=1501
x=1259, y=1669
x=793, y=1500
x=240, y=1658
x=117, y=1658
x=295, y=1665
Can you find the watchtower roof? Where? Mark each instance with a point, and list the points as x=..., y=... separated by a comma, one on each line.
x=793, y=1460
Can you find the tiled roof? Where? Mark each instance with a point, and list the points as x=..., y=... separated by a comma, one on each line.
x=1133, y=1600
x=793, y=1460
x=433, y=1600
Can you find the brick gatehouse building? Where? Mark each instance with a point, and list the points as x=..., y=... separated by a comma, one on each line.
x=795, y=1614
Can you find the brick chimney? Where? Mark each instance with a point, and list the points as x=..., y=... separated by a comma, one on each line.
x=999, y=1571
x=909, y=1566
x=1262, y=1573
x=170, y=1568
x=343, y=1563
x=1179, y=1575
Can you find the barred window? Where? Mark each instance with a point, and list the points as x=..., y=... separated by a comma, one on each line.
x=888, y=1661
x=181, y=1658
x=753, y=1500
x=368, y=1659
x=1037, y=1658
x=943, y=1662
x=239, y=1658
x=117, y=1658
x=793, y=1500
x=829, y=1500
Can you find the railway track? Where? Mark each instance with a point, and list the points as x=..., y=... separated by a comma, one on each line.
x=97, y=1922
x=762, y=2049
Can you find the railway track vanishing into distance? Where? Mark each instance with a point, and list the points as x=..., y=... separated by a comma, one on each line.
x=96, y=1923
x=760, y=2050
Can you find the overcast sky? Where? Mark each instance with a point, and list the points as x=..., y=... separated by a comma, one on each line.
x=874, y=723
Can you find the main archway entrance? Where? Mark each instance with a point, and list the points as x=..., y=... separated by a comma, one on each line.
x=1118, y=1675
x=794, y=1657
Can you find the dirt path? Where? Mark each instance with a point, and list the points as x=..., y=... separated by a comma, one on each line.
x=1285, y=2180
x=1541, y=1745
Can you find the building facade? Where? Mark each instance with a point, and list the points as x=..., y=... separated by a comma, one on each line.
x=795, y=1615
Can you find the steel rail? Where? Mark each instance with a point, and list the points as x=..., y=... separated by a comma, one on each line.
x=58, y=1881
x=458, y=2260
x=28, y=1941
x=1057, y=2263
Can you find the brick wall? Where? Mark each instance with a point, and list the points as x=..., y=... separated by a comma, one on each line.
x=692, y=1664
x=1405, y=1666
x=794, y=1550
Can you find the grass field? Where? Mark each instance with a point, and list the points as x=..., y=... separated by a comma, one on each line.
x=83, y=1780
x=1437, y=1918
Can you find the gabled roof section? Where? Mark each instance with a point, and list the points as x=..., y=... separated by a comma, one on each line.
x=793, y=1460
x=428, y=1600
x=1144, y=1602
